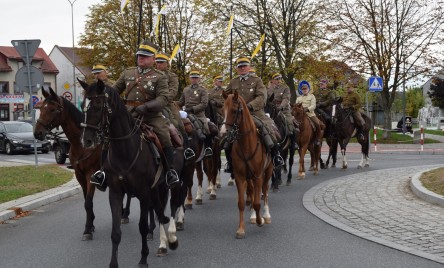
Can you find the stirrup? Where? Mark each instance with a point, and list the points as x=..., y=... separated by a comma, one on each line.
x=278, y=161
x=171, y=178
x=98, y=179
x=188, y=153
x=208, y=151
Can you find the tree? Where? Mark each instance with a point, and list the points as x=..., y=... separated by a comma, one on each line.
x=436, y=92
x=392, y=39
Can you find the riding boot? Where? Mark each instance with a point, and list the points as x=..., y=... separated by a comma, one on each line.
x=98, y=179
x=188, y=153
x=359, y=133
x=318, y=130
x=228, y=167
x=208, y=151
x=172, y=179
x=278, y=161
x=269, y=143
x=293, y=141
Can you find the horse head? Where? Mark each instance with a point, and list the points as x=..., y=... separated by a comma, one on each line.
x=271, y=107
x=298, y=112
x=50, y=112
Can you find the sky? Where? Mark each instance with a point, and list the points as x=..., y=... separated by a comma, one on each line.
x=47, y=20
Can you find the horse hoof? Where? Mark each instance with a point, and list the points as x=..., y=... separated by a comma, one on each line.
x=188, y=206
x=124, y=221
x=333, y=166
x=240, y=235
x=311, y=169
x=366, y=165
x=275, y=190
x=87, y=237
x=267, y=220
x=252, y=220
x=231, y=182
x=198, y=201
x=174, y=245
x=359, y=167
x=208, y=190
x=142, y=265
x=279, y=182
x=284, y=170
x=212, y=197
x=219, y=185
x=344, y=167
x=179, y=226
x=149, y=237
x=248, y=203
x=261, y=223
x=161, y=252
x=288, y=183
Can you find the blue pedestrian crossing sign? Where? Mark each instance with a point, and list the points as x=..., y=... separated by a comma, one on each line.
x=375, y=83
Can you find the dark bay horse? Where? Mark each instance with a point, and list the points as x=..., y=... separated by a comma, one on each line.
x=345, y=130
x=130, y=163
x=252, y=165
x=305, y=140
x=286, y=146
x=57, y=111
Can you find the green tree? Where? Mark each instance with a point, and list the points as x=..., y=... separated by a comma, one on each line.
x=436, y=92
x=414, y=101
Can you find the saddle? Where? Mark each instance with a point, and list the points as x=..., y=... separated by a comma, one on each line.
x=148, y=134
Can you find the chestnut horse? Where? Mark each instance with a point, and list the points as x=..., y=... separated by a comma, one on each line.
x=305, y=140
x=252, y=165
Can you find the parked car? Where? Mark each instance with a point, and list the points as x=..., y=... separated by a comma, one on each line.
x=60, y=145
x=18, y=136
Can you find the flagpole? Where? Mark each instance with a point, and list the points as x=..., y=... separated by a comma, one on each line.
x=231, y=44
x=140, y=23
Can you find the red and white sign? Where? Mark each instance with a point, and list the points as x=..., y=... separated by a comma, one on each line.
x=9, y=98
x=67, y=95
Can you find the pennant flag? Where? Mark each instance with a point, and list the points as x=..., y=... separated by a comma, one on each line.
x=123, y=4
x=175, y=51
x=164, y=10
x=258, y=46
x=157, y=24
x=230, y=25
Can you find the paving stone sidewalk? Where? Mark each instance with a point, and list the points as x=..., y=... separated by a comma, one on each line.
x=380, y=206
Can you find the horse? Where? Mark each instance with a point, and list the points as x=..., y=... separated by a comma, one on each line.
x=305, y=140
x=252, y=165
x=332, y=142
x=287, y=148
x=56, y=111
x=129, y=160
x=345, y=130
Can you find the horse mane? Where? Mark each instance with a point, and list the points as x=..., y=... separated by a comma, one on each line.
x=119, y=105
x=73, y=112
x=244, y=107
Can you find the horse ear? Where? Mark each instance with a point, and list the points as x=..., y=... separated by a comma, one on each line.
x=271, y=98
x=236, y=95
x=100, y=85
x=224, y=95
x=53, y=94
x=44, y=93
x=83, y=84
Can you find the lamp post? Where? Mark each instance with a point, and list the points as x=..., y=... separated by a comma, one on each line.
x=403, y=101
x=71, y=2
x=231, y=42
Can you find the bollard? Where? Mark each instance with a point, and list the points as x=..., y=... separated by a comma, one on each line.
x=422, y=138
x=374, y=137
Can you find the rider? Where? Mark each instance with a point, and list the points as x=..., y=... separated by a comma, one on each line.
x=101, y=72
x=215, y=97
x=352, y=100
x=282, y=101
x=308, y=101
x=171, y=111
x=324, y=100
x=195, y=99
x=254, y=93
x=145, y=90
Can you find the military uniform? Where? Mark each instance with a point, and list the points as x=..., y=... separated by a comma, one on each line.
x=195, y=98
x=216, y=96
x=282, y=101
x=324, y=101
x=352, y=100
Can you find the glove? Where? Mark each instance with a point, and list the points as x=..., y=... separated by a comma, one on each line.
x=149, y=106
x=250, y=107
x=306, y=109
x=189, y=110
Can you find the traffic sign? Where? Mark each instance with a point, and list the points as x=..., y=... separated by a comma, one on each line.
x=35, y=99
x=67, y=95
x=375, y=83
x=22, y=82
x=26, y=48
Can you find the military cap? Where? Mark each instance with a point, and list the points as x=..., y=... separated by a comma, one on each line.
x=218, y=78
x=98, y=68
x=146, y=48
x=242, y=61
x=194, y=74
x=162, y=57
x=252, y=71
x=323, y=81
x=276, y=76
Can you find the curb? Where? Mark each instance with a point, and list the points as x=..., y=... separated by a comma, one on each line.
x=423, y=193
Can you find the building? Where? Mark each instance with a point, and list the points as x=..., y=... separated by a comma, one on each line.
x=15, y=102
x=65, y=58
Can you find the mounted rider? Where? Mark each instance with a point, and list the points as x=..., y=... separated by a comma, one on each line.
x=308, y=101
x=195, y=100
x=215, y=98
x=351, y=100
x=325, y=99
x=145, y=90
x=282, y=101
x=101, y=72
x=253, y=91
x=171, y=111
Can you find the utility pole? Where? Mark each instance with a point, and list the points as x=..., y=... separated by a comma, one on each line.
x=73, y=53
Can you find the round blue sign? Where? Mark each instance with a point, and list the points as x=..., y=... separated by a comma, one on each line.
x=35, y=99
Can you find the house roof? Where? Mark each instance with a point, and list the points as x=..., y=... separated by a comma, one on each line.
x=12, y=54
x=75, y=59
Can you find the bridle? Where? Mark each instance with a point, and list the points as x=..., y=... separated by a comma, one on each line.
x=59, y=110
x=233, y=131
x=340, y=110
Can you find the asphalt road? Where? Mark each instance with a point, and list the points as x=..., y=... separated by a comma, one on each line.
x=51, y=236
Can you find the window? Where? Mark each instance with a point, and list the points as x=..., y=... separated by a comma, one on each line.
x=4, y=87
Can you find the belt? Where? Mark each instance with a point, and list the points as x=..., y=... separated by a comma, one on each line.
x=134, y=103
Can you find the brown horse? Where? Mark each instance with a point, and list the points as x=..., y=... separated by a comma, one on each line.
x=305, y=140
x=252, y=165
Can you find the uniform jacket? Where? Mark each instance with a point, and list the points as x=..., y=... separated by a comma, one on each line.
x=308, y=101
x=252, y=91
x=325, y=98
x=173, y=85
x=216, y=95
x=196, y=97
x=351, y=100
x=281, y=98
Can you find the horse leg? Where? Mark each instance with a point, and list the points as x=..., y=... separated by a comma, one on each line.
x=143, y=230
x=344, y=159
x=267, y=175
x=115, y=201
x=199, y=174
x=302, y=152
x=89, y=225
x=290, y=165
x=257, y=200
x=249, y=194
x=180, y=219
x=174, y=206
x=151, y=224
x=209, y=166
x=241, y=184
x=126, y=210
x=162, y=250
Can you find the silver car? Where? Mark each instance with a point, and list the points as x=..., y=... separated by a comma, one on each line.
x=18, y=136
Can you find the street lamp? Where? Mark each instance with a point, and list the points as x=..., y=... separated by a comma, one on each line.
x=403, y=101
x=71, y=2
